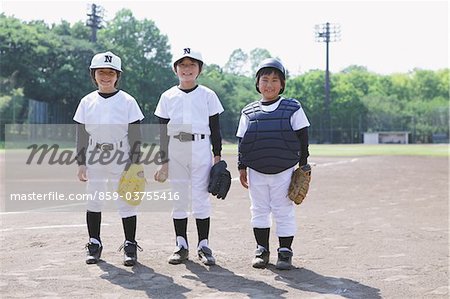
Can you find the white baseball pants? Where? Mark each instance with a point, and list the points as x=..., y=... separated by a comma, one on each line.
x=189, y=166
x=268, y=195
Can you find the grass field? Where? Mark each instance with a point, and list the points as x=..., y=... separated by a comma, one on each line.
x=339, y=150
x=438, y=150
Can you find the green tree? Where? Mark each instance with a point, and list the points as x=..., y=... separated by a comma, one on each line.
x=236, y=63
x=309, y=90
x=145, y=57
x=256, y=56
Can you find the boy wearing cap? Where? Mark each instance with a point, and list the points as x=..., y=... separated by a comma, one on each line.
x=108, y=126
x=273, y=138
x=189, y=127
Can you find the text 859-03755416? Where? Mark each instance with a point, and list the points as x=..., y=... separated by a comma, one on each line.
x=153, y=196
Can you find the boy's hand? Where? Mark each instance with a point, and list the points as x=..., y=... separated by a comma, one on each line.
x=82, y=173
x=162, y=174
x=243, y=178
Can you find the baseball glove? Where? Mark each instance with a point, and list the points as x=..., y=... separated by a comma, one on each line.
x=131, y=183
x=298, y=188
x=219, y=180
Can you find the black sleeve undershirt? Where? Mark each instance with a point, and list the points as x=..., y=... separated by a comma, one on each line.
x=163, y=138
x=303, y=138
x=135, y=141
x=216, y=137
x=82, y=140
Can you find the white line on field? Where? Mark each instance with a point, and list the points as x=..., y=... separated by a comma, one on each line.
x=334, y=163
x=47, y=227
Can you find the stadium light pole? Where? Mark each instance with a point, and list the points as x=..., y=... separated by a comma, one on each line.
x=327, y=33
x=95, y=14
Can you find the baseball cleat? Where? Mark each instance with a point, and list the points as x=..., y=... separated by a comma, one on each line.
x=130, y=252
x=93, y=253
x=179, y=255
x=261, y=258
x=284, y=261
x=205, y=255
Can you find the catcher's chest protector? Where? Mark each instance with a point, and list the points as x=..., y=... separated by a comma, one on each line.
x=270, y=145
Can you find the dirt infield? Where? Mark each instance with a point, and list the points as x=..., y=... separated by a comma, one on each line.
x=371, y=227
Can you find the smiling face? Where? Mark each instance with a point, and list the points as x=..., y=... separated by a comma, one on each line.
x=106, y=79
x=270, y=85
x=187, y=71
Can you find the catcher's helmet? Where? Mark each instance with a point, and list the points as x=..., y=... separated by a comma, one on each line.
x=106, y=60
x=270, y=63
x=188, y=52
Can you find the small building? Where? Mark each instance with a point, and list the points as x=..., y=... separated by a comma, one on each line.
x=400, y=137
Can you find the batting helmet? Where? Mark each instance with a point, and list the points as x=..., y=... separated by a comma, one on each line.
x=270, y=63
x=106, y=60
x=188, y=52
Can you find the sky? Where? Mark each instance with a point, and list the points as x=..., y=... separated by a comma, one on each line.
x=384, y=36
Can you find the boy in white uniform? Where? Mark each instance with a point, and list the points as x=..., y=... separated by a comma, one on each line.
x=189, y=118
x=108, y=126
x=273, y=138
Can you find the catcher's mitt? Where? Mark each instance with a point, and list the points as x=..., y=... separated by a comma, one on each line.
x=219, y=180
x=131, y=184
x=298, y=188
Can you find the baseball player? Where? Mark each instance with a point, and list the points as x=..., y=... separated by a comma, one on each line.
x=189, y=118
x=108, y=126
x=273, y=138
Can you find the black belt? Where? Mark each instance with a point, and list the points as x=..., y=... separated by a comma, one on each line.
x=107, y=146
x=183, y=137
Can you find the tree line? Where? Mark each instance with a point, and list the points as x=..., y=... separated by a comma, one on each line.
x=49, y=63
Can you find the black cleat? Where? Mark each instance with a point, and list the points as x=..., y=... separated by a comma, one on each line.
x=205, y=255
x=261, y=258
x=130, y=252
x=284, y=261
x=179, y=255
x=93, y=253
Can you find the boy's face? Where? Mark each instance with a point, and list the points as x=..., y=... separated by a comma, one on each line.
x=270, y=85
x=187, y=70
x=106, y=79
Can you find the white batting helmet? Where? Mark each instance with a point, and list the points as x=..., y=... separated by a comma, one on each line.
x=188, y=52
x=106, y=60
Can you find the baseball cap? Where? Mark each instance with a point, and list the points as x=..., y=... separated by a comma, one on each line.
x=187, y=52
x=106, y=60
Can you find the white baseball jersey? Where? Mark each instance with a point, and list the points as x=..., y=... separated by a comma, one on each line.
x=106, y=121
x=192, y=109
x=117, y=112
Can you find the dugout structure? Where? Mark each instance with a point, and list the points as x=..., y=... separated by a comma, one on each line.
x=394, y=137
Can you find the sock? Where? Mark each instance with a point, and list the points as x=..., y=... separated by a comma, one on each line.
x=262, y=236
x=202, y=243
x=181, y=231
x=286, y=242
x=181, y=242
x=202, y=229
x=129, y=228
x=93, y=220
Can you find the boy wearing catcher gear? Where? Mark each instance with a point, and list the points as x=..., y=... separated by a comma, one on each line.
x=108, y=126
x=189, y=123
x=273, y=138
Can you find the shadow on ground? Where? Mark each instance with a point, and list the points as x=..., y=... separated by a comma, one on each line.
x=143, y=278
x=310, y=281
x=224, y=280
